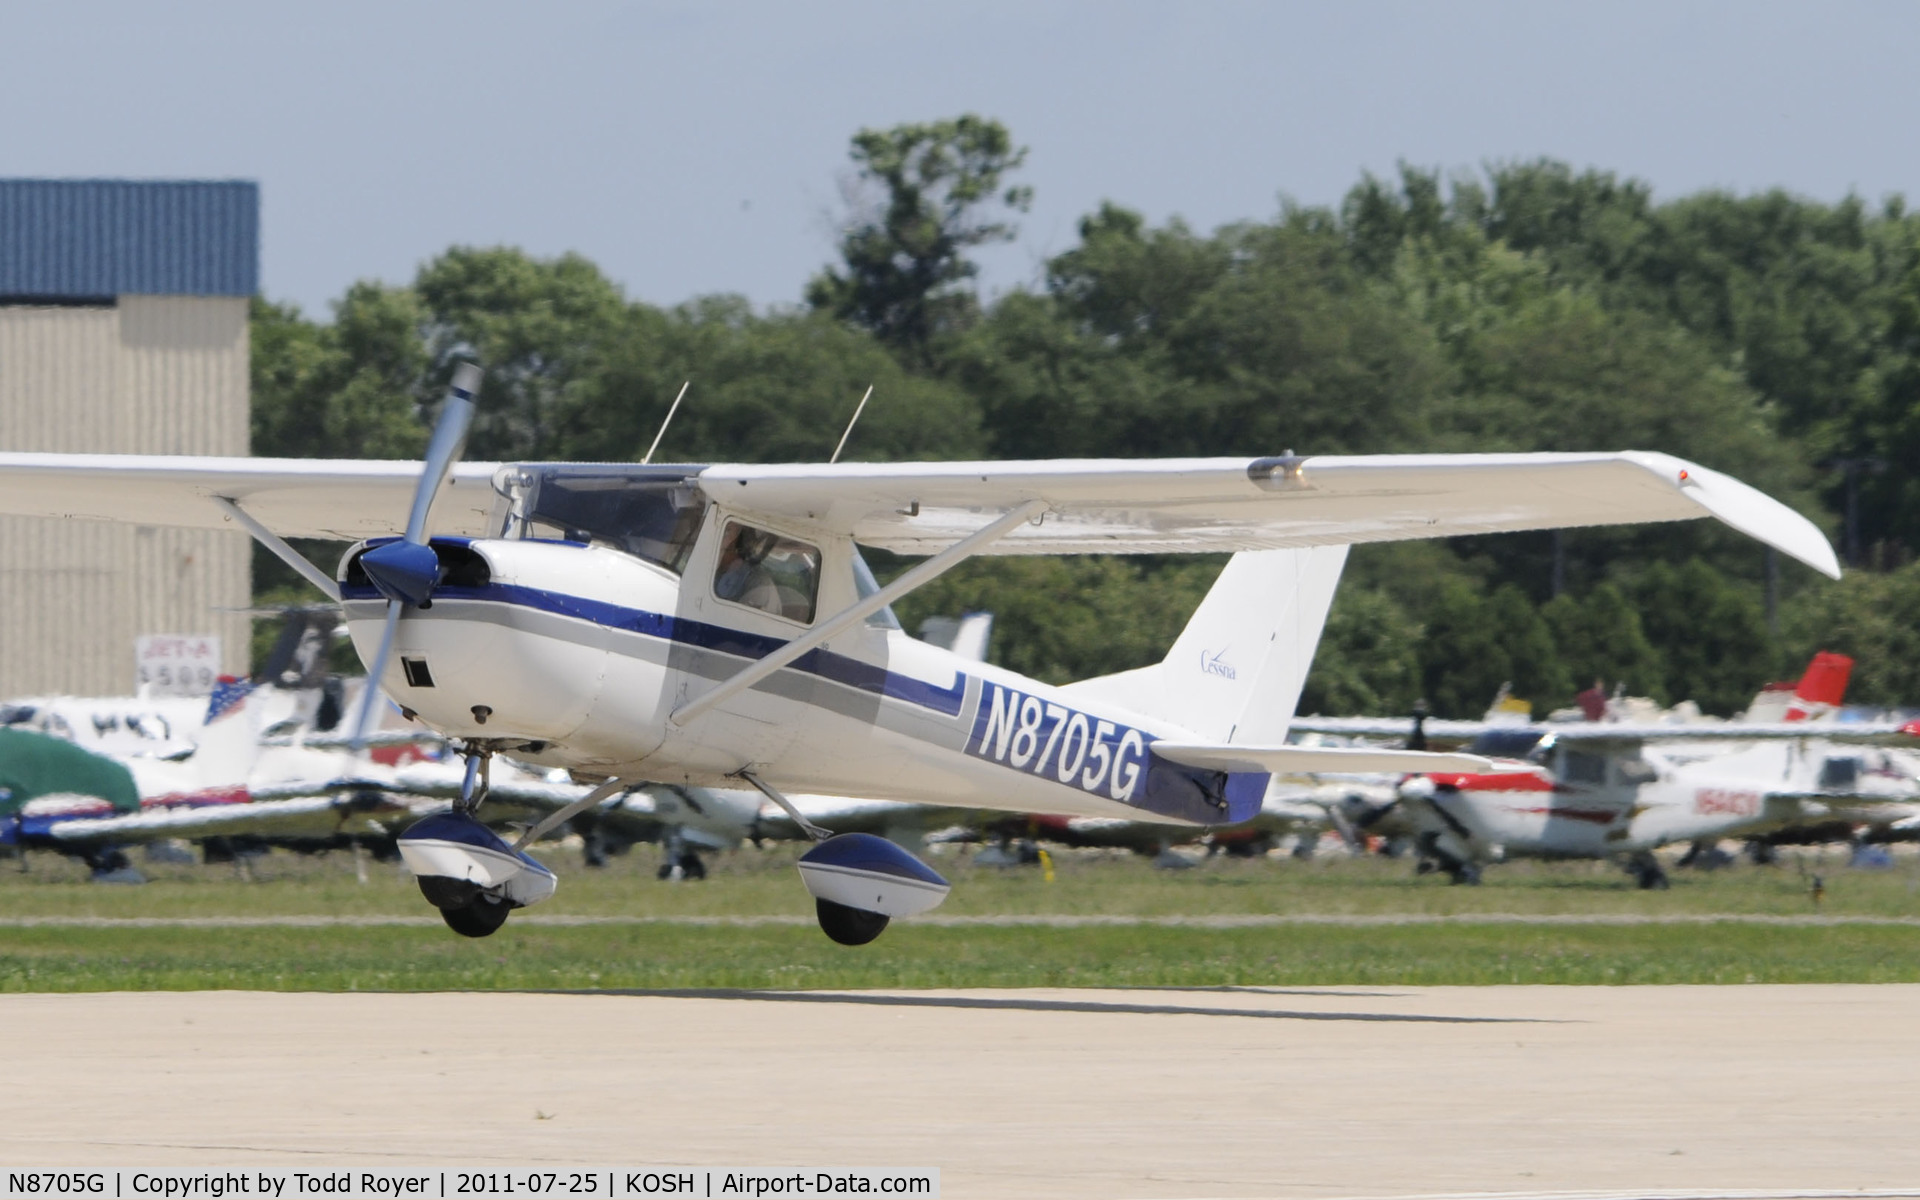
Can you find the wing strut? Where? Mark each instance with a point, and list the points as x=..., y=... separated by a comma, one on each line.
x=285, y=553
x=847, y=617
x=553, y=820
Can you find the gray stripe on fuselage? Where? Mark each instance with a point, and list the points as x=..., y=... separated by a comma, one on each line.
x=857, y=704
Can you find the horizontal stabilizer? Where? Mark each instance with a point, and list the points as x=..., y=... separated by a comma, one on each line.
x=1299, y=760
x=1877, y=733
x=1873, y=733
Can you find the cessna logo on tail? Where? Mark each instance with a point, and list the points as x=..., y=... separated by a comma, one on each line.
x=1216, y=664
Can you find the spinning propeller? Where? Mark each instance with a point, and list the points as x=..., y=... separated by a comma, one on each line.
x=407, y=571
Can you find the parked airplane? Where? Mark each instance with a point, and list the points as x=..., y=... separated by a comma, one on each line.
x=1617, y=790
x=713, y=625
x=226, y=781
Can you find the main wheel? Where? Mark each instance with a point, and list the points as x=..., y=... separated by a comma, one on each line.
x=849, y=926
x=446, y=893
x=477, y=920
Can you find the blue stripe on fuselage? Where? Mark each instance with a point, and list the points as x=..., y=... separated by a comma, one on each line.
x=835, y=668
x=1167, y=790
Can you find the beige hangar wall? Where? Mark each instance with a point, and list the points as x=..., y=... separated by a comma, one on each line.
x=150, y=375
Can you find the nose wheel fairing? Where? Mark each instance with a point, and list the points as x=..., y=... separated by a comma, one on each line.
x=462, y=865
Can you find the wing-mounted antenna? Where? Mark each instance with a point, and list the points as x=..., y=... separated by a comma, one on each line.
x=663, y=425
x=850, y=424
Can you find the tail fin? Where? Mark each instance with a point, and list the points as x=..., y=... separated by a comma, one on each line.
x=1234, y=675
x=1822, y=688
x=967, y=636
x=228, y=743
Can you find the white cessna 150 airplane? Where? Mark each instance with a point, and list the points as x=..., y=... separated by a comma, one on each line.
x=713, y=625
x=1619, y=790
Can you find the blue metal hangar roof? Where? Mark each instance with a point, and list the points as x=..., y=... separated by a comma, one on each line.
x=91, y=239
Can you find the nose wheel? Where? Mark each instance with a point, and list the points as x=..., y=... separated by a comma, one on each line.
x=469, y=872
x=467, y=910
x=847, y=925
x=479, y=918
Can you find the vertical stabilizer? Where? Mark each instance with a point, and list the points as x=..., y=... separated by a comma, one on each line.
x=1822, y=688
x=1235, y=674
x=228, y=743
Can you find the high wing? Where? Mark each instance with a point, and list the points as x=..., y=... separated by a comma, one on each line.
x=1845, y=799
x=1090, y=506
x=1227, y=504
x=1879, y=733
x=306, y=816
x=340, y=499
x=373, y=806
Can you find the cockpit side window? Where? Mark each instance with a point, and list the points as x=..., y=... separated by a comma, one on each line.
x=1840, y=771
x=761, y=569
x=1580, y=766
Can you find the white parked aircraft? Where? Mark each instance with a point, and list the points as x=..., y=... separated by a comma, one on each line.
x=713, y=625
x=1619, y=790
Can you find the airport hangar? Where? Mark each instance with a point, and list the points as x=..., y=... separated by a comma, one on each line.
x=123, y=330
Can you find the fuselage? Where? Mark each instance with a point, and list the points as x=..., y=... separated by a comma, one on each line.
x=1583, y=804
x=572, y=648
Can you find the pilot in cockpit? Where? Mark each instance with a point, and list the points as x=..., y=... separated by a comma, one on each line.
x=765, y=571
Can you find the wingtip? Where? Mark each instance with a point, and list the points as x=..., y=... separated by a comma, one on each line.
x=1749, y=510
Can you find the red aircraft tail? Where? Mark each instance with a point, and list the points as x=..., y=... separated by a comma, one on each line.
x=1822, y=688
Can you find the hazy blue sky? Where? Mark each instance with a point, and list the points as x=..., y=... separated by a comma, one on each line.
x=692, y=148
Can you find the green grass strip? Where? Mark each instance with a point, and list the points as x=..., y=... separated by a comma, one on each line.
x=401, y=958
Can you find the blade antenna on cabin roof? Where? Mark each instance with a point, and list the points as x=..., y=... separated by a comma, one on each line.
x=862, y=407
x=663, y=425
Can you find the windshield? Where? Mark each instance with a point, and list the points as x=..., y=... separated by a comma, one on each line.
x=864, y=585
x=649, y=512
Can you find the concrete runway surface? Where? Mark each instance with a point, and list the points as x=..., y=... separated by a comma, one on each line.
x=1154, y=1093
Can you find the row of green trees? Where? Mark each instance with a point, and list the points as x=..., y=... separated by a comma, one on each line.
x=1526, y=307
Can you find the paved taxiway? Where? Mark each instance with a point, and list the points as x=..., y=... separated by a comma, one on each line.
x=1187, y=1093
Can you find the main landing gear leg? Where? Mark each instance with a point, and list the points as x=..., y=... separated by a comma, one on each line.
x=679, y=860
x=1647, y=872
x=478, y=781
x=859, y=882
x=842, y=922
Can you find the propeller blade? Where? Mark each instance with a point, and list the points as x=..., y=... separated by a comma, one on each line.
x=407, y=570
x=449, y=440
x=376, y=671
